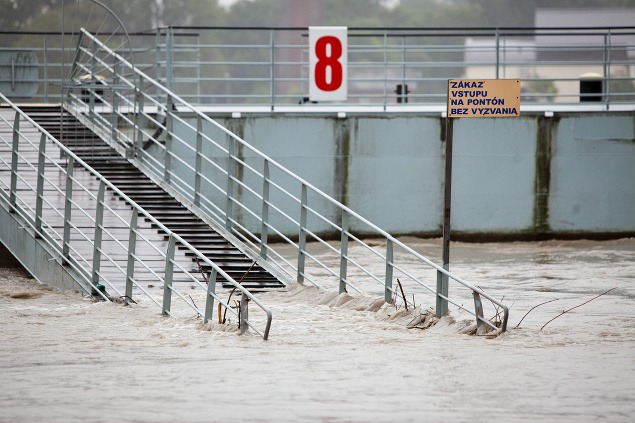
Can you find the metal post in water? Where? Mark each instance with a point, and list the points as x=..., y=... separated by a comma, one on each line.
x=264, y=231
x=344, y=252
x=168, y=277
x=302, y=234
x=132, y=248
x=389, y=272
x=442, y=278
x=211, y=290
x=99, y=225
x=244, y=313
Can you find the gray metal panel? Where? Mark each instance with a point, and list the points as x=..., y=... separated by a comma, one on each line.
x=593, y=174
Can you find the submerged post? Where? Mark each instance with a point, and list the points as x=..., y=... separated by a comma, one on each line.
x=442, y=278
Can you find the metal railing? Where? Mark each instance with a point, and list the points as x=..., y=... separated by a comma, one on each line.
x=251, y=198
x=259, y=66
x=53, y=193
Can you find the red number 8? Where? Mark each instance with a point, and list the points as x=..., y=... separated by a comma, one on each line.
x=328, y=61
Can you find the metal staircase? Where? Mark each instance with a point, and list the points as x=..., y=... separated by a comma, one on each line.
x=164, y=207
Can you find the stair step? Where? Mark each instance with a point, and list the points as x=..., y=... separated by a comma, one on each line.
x=163, y=207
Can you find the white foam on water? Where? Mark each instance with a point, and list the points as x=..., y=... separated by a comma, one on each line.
x=337, y=357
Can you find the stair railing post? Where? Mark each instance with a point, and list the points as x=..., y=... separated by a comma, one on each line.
x=389, y=272
x=264, y=229
x=231, y=174
x=99, y=227
x=115, y=103
x=39, y=199
x=302, y=234
x=169, y=123
x=211, y=291
x=68, y=203
x=199, y=155
x=343, y=251
x=168, y=276
x=132, y=247
x=14, y=163
x=244, y=314
x=92, y=82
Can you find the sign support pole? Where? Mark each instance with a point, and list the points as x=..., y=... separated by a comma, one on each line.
x=442, y=279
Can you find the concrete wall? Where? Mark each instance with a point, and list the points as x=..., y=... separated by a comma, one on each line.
x=572, y=174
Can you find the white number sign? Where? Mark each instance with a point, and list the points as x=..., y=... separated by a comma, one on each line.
x=328, y=59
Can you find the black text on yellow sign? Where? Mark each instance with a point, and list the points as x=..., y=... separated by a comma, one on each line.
x=483, y=98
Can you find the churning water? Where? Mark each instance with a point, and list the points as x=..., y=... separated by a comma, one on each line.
x=68, y=359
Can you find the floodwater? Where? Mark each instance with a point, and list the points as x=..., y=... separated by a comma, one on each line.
x=68, y=359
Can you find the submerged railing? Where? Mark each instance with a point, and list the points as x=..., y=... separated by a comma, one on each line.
x=53, y=193
x=251, y=198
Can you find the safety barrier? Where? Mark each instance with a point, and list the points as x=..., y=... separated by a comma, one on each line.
x=62, y=201
x=251, y=197
x=396, y=67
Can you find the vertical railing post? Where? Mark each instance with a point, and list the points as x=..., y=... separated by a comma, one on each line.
x=39, y=199
x=132, y=248
x=231, y=172
x=46, y=71
x=264, y=229
x=302, y=234
x=92, y=82
x=607, y=68
x=198, y=69
x=344, y=251
x=497, y=52
x=14, y=163
x=99, y=227
x=244, y=314
x=168, y=277
x=115, y=104
x=199, y=157
x=389, y=272
x=211, y=291
x=272, y=59
x=139, y=120
x=169, y=123
x=68, y=203
x=169, y=72
x=385, y=69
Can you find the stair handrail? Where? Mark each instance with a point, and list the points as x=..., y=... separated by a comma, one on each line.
x=174, y=238
x=174, y=102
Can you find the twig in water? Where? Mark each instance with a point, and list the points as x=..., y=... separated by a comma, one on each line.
x=192, y=299
x=200, y=269
x=405, y=302
x=566, y=311
x=233, y=290
x=536, y=306
x=123, y=297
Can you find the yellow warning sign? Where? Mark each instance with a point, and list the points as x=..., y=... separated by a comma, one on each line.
x=483, y=98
